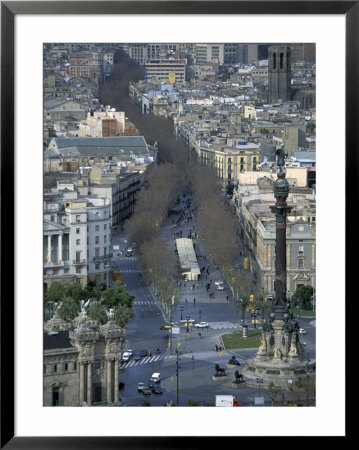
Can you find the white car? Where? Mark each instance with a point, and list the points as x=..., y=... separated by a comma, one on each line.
x=302, y=331
x=220, y=285
x=202, y=325
x=126, y=356
x=129, y=351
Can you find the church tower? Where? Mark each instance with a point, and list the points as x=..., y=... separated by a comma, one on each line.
x=279, y=73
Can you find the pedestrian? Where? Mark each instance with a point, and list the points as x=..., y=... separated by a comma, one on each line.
x=227, y=297
x=199, y=334
x=194, y=301
x=186, y=300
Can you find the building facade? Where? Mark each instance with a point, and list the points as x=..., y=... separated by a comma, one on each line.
x=80, y=362
x=77, y=239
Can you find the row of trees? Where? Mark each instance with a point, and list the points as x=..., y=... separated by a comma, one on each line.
x=69, y=295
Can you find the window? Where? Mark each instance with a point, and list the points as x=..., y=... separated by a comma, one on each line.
x=300, y=263
x=105, y=226
x=55, y=367
x=78, y=218
x=97, y=239
x=77, y=241
x=66, y=367
x=77, y=230
x=55, y=400
x=75, y=366
x=97, y=227
x=301, y=249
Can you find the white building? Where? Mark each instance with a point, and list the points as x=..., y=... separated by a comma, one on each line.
x=77, y=238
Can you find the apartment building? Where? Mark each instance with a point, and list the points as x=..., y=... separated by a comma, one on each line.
x=167, y=70
x=77, y=238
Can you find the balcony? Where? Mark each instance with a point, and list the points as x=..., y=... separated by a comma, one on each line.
x=78, y=262
x=102, y=258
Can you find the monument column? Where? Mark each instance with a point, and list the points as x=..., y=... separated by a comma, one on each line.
x=82, y=384
x=115, y=384
x=281, y=209
x=89, y=383
x=108, y=384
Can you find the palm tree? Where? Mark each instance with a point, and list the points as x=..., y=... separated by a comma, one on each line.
x=123, y=315
x=98, y=312
x=241, y=304
x=69, y=308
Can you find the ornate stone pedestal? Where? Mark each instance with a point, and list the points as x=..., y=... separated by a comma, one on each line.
x=280, y=358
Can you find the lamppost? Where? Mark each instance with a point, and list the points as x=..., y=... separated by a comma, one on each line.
x=192, y=363
x=187, y=319
x=181, y=308
x=200, y=312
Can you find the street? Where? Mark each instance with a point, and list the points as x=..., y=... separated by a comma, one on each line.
x=197, y=356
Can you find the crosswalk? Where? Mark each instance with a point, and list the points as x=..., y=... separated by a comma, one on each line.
x=223, y=325
x=146, y=360
x=144, y=303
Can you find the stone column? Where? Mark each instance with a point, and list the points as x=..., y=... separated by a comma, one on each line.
x=108, y=384
x=82, y=383
x=59, y=247
x=89, y=383
x=49, y=248
x=115, y=385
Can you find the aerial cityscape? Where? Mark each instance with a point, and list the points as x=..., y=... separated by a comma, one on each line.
x=179, y=224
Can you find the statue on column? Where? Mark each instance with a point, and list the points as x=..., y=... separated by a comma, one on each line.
x=281, y=155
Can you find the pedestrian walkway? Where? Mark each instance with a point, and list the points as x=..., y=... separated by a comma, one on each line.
x=223, y=325
x=144, y=303
x=146, y=360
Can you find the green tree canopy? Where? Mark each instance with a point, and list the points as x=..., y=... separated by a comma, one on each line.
x=69, y=308
x=303, y=296
x=59, y=290
x=123, y=314
x=117, y=296
x=97, y=311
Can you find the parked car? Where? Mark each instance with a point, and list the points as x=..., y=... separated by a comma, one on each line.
x=140, y=386
x=137, y=356
x=201, y=325
x=302, y=331
x=128, y=350
x=156, y=389
x=220, y=285
x=126, y=356
x=146, y=391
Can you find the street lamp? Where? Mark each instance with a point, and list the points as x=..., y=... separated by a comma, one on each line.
x=200, y=312
x=187, y=319
x=181, y=308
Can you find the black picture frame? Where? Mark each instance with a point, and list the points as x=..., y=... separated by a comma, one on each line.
x=9, y=9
